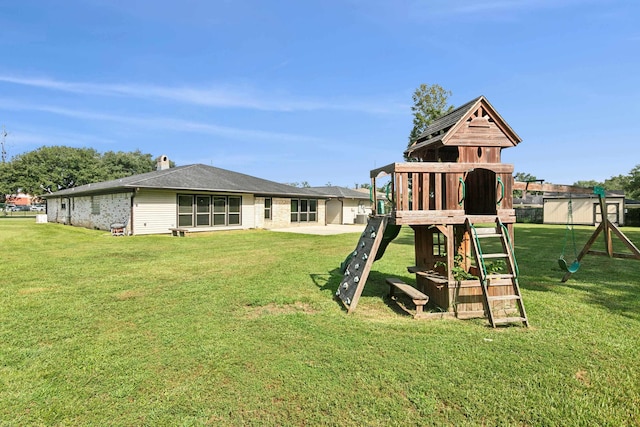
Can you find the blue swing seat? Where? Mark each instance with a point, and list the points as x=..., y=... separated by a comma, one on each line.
x=570, y=268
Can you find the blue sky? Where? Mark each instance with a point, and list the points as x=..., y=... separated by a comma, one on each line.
x=320, y=91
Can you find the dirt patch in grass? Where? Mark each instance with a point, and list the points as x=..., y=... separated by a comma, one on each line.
x=129, y=294
x=583, y=377
x=253, y=312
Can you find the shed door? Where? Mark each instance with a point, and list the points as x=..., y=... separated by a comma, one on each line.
x=334, y=211
x=480, y=192
x=613, y=214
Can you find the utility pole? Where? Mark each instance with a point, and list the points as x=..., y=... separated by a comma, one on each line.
x=3, y=151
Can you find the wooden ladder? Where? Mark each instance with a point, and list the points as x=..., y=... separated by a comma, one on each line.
x=487, y=278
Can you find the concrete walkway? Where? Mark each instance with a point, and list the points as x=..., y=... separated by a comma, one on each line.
x=323, y=230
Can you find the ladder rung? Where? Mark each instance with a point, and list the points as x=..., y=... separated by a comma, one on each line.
x=486, y=256
x=500, y=276
x=481, y=236
x=509, y=319
x=485, y=231
x=504, y=298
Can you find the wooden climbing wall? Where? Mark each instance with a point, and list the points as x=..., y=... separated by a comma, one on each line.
x=357, y=271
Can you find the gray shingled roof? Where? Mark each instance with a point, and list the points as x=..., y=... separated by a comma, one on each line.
x=340, y=192
x=196, y=177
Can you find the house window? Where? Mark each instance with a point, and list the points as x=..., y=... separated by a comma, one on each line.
x=95, y=206
x=204, y=211
x=235, y=205
x=185, y=210
x=303, y=210
x=226, y=210
x=267, y=208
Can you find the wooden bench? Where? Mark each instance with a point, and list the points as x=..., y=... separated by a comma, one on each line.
x=179, y=231
x=419, y=299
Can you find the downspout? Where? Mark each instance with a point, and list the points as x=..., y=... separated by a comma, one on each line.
x=132, y=211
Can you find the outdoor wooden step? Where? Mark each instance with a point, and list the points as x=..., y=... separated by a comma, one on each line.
x=503, y=320
x=500, y=282
x=504, y=298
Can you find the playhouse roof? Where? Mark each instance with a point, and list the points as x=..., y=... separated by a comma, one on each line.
x=456, y=128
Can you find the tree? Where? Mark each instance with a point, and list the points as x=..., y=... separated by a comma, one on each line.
x=620, y=182
x=53, y=168
x=588, y=184
x=429, y=103
x=120, y=164
x=524, y=177
x=632, y=190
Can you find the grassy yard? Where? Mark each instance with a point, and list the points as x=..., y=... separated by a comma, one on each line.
x=241, y=328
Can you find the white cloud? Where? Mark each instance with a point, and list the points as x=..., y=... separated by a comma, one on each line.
x=170, y=124
x=222, y=96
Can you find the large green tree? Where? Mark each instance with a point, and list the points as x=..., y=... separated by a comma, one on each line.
x=429, y=103
x=632, y=188
x=52, y=168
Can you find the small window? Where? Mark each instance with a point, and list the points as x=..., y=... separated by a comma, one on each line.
x=95, y=206
x=267, y=208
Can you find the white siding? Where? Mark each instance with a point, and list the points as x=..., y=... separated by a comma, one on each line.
x=249, y=210
x=352, y=207
x=556, y=210
x=154, y=212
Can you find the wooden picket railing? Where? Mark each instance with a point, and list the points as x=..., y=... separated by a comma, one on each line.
x=435, y=193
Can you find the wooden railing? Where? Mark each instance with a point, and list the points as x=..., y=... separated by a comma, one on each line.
x=425, y=191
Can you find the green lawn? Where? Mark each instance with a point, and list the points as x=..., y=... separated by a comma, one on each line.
x=241, y=328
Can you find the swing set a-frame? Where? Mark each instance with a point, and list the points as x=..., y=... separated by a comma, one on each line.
x=606, y=227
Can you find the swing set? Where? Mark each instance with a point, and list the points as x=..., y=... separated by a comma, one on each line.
x=562, y=262
x=605, y=227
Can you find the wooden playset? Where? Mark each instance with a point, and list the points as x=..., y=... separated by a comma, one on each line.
x=457, y=197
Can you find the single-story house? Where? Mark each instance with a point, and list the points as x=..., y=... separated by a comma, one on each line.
x=19, y=199
x=193, y=197
x=585, y=209
x=345, y=205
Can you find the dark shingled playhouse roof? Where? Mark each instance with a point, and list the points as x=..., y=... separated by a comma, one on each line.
x=440, y=129
x=196, y=177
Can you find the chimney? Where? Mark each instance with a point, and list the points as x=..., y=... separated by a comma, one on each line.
x=162, y=163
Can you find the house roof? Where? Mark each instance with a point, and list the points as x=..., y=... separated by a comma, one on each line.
x=196, y=177
x=340, y=192
x=442, y=129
